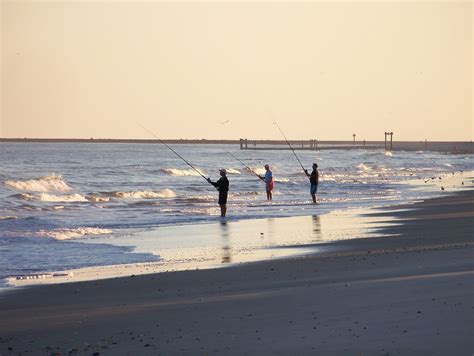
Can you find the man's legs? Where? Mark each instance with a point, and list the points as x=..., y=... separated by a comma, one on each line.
x=223, y=210
x=269, y=195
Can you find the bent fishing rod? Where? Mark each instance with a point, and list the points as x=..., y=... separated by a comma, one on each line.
x=176, y=153
x=246, y=166
x=289, y=145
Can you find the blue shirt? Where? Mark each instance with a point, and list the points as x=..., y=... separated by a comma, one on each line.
x=268, y=176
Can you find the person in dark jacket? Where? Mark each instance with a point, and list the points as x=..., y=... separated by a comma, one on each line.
x=314, y=180
x=222, y=185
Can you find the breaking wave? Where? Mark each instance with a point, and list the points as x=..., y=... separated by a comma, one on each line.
x=181, y=172
x=8, y=217
x=43, y=184
x=67, y=234
x=53, y=198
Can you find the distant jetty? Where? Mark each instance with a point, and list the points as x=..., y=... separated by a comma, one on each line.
x=455, y=147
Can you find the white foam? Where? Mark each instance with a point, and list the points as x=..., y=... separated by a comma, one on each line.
x=67, y=234
x=232, y=171
x=43, y=184
x=145, y=194
x=181, y=172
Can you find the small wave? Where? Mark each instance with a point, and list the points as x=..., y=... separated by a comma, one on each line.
x=232, y=171
x=67, y=234
x=181, y=172
x=97, y=199
x=53, y=198
x=143, y=194
x=246, y=193
x=43, y=184
x=363, y=167
x=281, y=180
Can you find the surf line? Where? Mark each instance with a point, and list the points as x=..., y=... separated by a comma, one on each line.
x=289, y=145
x=246, y=166
x=172, y=150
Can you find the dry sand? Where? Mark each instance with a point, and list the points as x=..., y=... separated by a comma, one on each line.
x=410, y=294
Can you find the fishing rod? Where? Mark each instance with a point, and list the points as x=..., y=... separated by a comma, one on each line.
x=289, y=145
x=246, y=166
x=176, y=153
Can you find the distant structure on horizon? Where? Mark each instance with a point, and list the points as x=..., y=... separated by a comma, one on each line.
x=455, y=147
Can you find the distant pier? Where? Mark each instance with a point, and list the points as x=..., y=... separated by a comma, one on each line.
x=456, y=147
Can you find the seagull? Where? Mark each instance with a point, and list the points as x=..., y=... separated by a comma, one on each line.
x=224, y=122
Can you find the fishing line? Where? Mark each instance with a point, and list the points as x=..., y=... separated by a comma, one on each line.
x=246, y=166
x=289, y=145
x=172, y=150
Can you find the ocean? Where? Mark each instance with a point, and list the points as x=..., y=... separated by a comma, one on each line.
x=65, y=205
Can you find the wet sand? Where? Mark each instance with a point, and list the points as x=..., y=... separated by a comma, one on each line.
x=406, y=294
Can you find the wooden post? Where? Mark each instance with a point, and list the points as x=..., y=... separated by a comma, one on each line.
x=246, y=144
x=241, y=144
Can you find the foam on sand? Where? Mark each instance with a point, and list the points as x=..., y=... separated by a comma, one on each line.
x=67, y=234
x=42, y=184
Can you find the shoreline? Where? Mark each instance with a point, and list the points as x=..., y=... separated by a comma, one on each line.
x=410, y=294
x=276, y=242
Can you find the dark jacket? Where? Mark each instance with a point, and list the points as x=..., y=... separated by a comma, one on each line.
x=222, y=185
x=314, y=177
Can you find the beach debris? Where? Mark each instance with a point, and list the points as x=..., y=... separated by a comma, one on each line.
x=442, y=188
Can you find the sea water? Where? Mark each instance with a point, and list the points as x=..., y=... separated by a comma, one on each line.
x=57, y=198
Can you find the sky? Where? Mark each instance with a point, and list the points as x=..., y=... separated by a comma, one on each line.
x=227, y=70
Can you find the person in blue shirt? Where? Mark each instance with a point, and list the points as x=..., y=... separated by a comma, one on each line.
x=268, y=179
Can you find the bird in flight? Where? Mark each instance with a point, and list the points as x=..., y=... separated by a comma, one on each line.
x=224, y=122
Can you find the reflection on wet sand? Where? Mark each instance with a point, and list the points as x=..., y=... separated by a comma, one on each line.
x=226, y=249
x=229, y=242
x=317, y=227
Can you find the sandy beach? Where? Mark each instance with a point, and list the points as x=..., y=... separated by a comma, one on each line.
x=408, y=293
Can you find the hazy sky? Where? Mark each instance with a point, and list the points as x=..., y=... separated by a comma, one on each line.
x=324, y=70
